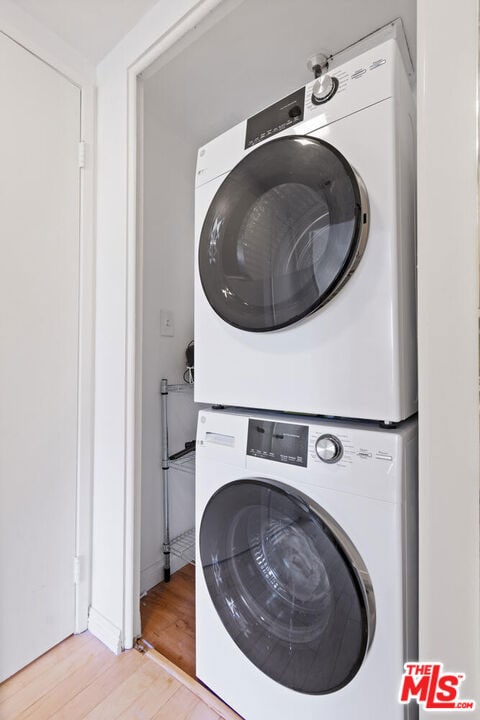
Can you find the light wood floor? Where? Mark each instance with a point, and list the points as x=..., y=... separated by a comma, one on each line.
x=80, y=678
x=168, y=618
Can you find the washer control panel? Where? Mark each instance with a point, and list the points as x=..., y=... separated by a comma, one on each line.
x=341, y=449
x=278, y=441
x=303, y=445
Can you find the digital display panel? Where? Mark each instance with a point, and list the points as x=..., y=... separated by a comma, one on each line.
x=274, y=119
x=277, y=441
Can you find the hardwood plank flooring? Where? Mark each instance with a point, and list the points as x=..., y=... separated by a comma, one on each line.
x=212, y=701
x=35, y=669
x=104, y=685
x=80, y=678
x=18, y=703
x=168, y=619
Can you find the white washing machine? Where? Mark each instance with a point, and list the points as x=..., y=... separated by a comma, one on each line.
x=306, y=572
x=305, y=258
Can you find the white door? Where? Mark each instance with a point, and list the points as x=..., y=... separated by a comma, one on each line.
x=39, y=308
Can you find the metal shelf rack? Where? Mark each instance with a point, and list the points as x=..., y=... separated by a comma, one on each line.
x=182, y=545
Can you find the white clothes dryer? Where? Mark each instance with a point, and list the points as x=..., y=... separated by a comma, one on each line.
x=306, y=571
x=305, y=259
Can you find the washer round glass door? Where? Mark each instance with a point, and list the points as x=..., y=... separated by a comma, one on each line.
x=283, y=234
x=288, y=585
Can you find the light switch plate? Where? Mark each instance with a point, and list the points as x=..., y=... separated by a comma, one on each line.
x=167, y=324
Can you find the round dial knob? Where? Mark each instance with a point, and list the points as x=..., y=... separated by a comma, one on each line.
x=323, y=89
x=329, y=448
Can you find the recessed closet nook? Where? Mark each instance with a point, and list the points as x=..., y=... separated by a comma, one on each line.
x=241, y=58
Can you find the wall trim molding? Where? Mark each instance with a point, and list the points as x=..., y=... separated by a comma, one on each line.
x=153, y=573
x=105, y=631
x=38, y=39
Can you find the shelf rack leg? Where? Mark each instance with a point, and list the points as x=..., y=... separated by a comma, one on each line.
x=165, y=465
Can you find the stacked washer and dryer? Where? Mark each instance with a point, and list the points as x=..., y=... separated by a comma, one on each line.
x=306, y=495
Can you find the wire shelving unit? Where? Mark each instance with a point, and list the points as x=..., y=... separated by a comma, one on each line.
x=183, y=545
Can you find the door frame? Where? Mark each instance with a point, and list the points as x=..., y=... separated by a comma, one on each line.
x=134, y=321
x=84, y=81
x=86, y=367
x=433, y=35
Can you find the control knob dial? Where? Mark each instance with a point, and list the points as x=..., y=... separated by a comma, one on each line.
x=329, y=448
x=323, y=89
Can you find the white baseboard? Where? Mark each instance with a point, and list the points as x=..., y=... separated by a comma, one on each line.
x=153, y=574
x=105, y=631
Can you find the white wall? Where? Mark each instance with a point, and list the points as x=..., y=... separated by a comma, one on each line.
x=448, y=339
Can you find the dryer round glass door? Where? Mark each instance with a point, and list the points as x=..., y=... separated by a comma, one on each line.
x=283, y=234
x=288, y=585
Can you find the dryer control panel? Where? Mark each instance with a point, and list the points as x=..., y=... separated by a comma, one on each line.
x=278, y=117
x=365, y=80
